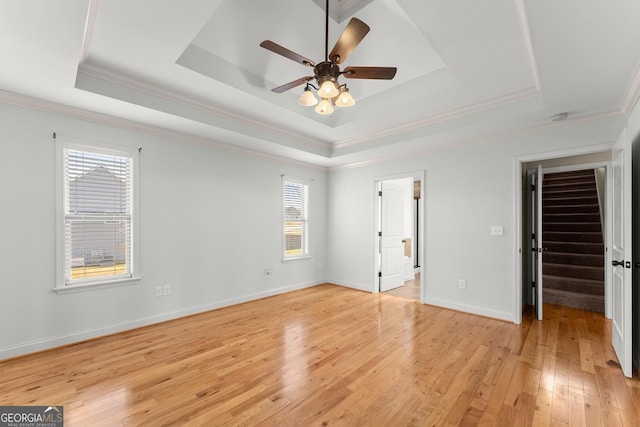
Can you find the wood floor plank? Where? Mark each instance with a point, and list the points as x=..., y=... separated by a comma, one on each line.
x=333, y=356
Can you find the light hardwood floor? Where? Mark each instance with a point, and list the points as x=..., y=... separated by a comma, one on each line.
x=410, y=289
x=331, y=356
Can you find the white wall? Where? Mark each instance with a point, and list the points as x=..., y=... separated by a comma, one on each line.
x=210, y=223
x=466, y=191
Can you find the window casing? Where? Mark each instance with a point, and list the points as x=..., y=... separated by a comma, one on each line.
x=295, y=222
x=97, y=215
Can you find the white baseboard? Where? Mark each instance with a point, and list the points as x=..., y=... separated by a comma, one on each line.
x=480, y=311
x=61, y=340
x=352, y=285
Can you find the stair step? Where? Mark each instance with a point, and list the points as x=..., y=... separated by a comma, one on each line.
x=570, y=201
x=572, y=236
x=573, y=192
x=594, y=227
x=575, y=173
x=574, y=271
x=571, y=217
x=574, y=299
x=575, y=247
x=591, y=287
x=552, y=209
x=592, y=260
x=573, y=185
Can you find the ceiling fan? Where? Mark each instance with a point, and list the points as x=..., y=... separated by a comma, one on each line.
x=326, y=73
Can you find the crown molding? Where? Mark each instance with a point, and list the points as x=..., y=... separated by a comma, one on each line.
x=611, y=115
x=154, y=91
x=479, y=107
x=633, y=92
x=38, y=104
x=526, y=34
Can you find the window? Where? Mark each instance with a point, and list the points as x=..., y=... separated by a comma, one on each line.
x=96, y=215
x=295, y=194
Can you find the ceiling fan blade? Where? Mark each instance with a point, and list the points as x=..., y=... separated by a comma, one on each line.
x=380, y=73
x=291, y=85
x=276, y=48
x=349, y=39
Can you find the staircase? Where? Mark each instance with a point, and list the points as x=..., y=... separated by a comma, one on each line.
x=573, y=264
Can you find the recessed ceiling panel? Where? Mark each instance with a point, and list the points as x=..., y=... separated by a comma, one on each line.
x=235, y=30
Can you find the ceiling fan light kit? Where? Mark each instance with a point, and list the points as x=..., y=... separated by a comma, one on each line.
x=326, y=73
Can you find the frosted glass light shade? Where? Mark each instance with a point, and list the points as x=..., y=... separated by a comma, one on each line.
x=307, y=99
x=324, y=107
x=328, y=89
x=345, y=99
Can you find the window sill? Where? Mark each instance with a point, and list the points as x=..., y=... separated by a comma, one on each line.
x=97, y=285
x=300, y=258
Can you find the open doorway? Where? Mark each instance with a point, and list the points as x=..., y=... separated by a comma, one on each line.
x=565, y=219
x=399, y=234
x=564, y=207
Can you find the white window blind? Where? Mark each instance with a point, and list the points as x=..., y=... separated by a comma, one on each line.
x=295, y=201
x=98, y=215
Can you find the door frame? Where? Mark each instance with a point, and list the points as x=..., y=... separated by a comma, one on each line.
x=518, y=219
x=419, y=176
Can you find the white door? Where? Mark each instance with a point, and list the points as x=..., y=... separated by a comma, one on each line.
x=391, y=235
x=621, y=254
x=537, y=248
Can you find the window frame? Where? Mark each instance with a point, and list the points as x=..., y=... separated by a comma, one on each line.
x=305, y=220
x=64, y=284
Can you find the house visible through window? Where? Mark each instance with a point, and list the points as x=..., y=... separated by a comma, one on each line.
x=295, y=222
x=98, y=221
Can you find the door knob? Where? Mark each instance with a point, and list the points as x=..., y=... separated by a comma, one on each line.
x=617, y=263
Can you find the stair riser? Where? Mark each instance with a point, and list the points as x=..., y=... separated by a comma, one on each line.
x=574, y=259
x=558, y=236
x=573, y=200
x=578, y=185
x=551, y=209
x=589, y=273
x=568, y=193
x=575, y=247
x=592, y=227
x=564, y=285
x=570, y=201
x=588, y=217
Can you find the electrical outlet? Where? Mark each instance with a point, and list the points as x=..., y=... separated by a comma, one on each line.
x=158, y=291
x=167, y=290
x=497, y=230
x=462, y=284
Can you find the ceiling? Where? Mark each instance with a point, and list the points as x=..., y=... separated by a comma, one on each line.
x=468, y=71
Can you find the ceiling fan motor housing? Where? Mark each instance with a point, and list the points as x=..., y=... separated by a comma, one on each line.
x=326, y=71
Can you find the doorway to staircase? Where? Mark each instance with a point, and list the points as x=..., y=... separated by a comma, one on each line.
x=573, y=269
x=565, y=264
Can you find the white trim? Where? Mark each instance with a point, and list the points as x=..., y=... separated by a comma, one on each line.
x=23, y=101
x=89, y=28
x=478, y=107
x=483, y=140
x=471, y=309
x=350, y=285
x=632, y=95
x=526, y=34
x=61, y=340
x=157, y=92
